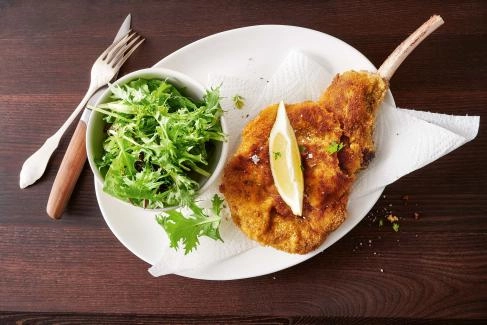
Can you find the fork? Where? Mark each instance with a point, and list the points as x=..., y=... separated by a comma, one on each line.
x=102, y=72
x=105, y=69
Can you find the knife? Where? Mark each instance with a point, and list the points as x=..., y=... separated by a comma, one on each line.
x=75, y=156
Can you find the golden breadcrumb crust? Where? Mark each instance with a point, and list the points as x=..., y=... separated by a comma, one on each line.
x=344, y=114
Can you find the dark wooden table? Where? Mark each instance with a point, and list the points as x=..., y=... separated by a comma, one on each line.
x=75, y=270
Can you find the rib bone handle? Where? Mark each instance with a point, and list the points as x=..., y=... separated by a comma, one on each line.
x=395, y=59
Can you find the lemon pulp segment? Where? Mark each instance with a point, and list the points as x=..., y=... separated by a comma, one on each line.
x=285, y=162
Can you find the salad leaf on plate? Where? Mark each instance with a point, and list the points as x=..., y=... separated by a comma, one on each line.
x=187, y=230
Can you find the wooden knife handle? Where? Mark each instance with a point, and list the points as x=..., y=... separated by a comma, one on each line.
x=68, y=174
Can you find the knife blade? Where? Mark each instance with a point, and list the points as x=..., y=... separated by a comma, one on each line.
x=75, y=156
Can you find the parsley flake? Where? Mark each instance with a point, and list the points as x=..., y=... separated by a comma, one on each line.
x=334, y=147
x=276, y=155
x=238, y=101
x=395, y=226
x=217, y=204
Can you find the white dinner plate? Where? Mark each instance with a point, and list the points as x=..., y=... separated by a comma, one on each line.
x=247, y=52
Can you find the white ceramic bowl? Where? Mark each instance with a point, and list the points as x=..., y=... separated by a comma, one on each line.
x=95, y=134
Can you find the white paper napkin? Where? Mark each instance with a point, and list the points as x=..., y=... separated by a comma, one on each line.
x=405, y=141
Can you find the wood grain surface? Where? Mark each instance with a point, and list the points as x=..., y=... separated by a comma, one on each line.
x=434, y=270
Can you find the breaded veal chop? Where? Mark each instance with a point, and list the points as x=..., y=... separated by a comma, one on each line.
x=345, y=114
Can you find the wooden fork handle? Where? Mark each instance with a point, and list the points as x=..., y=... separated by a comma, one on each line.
x=68, y=174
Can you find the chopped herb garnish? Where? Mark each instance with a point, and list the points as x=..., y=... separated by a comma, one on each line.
x=381, y=223
x=276, y=155
x=238, y=101
x=217, y=204
x=334, y=147
x=395, y=226
x=302, y=149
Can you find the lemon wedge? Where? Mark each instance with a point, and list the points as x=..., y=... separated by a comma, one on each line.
x=285, y=161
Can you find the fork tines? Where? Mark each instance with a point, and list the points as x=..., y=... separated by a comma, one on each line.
x=117, y=53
